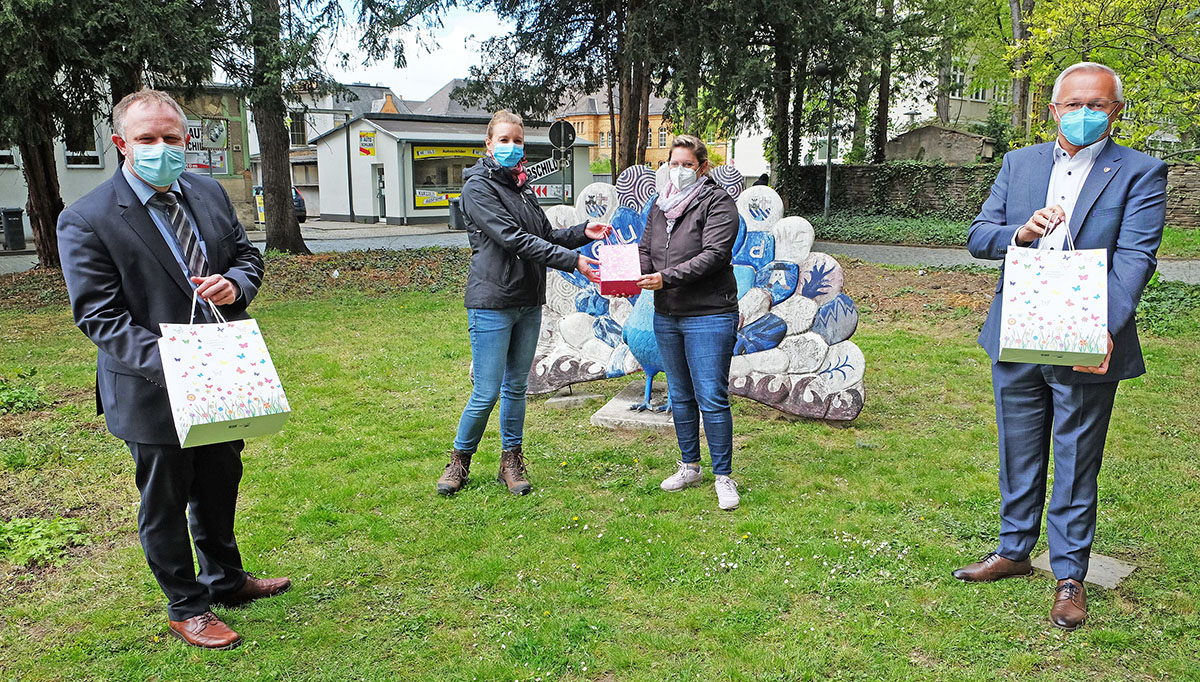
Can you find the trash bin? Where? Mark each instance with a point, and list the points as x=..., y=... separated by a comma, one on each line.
x=457, y=220
x=14, y=229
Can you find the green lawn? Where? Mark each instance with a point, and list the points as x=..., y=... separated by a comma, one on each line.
x=849, y=226
x=835, y=567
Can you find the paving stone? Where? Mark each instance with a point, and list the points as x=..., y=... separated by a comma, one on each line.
x=1103, y=571
x=617, y=415
x=566, y=399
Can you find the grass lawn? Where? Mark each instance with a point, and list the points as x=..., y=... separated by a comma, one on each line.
x=836, y=566
x=849, y=226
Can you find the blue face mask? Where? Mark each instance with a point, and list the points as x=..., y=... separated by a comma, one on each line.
x=158, y=164
x=508, y=154
x=1083, y=126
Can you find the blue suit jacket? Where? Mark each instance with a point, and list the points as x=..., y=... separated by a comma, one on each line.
x=1121, y=208
x=123, y=281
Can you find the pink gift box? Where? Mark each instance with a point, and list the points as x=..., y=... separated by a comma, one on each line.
x=620, y=269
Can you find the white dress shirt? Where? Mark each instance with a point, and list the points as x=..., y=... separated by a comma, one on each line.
x=1066, y=180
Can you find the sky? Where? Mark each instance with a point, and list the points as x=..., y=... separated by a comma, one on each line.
x=458, y=45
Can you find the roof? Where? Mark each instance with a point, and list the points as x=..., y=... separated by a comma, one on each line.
x=442, y=104
x=455, y=129
x=369, y=96
x=948, y=129
x=596, y=104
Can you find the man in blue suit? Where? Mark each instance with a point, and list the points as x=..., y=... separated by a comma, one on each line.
x=133, y=251
x=1108, y=197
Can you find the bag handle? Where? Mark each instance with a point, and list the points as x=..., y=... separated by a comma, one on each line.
x=1069, y=241
x=216, y=313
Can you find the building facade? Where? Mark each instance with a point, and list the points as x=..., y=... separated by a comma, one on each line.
x=590, y=117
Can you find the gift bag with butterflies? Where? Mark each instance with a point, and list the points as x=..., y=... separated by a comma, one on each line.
x=1055, y=307
x=220, y=380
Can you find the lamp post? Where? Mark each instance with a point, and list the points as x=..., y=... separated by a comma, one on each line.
x=826, y=71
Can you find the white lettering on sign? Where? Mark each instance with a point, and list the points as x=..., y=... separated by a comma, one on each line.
x=758, y=250
x=778, y=277
x=541, y=169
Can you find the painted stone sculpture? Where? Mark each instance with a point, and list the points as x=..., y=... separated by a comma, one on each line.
x=793, y=349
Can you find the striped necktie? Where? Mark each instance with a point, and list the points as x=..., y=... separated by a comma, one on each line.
x=193, y=256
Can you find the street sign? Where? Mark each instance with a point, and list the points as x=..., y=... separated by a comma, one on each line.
x=366, y=143
x=562, y=134
x=541, y=169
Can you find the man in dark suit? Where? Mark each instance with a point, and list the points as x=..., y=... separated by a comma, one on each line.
x=1107, y=197
x=133, y=250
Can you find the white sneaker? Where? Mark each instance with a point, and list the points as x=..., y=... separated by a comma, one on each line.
x=727, y=495
x=687, y=476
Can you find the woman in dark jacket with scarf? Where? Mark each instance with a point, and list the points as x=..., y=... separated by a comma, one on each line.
x=512, y=243
x=687, y=249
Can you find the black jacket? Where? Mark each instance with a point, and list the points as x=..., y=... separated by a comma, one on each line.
x=695, y=260
x=512, y=241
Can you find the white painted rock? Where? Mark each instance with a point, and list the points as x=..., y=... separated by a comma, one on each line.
x=774, y=361
x=560, y=294
x=561, y=217
x=595, y=350
x=576, y=329
x=754, y=305
x=619, y=309
x=761, y=207
x=820, y=277
x=598, y=201
x=805, y=352
x=798, y=312
x=793, y=239
x=843, y=367
x=740, y=367
x=548, y=335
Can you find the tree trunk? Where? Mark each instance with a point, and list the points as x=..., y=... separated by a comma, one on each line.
x=631, y=87
x=644, y=117
x=781, y=113
x=44, y=201
x=880, y=135
x=800, y=86
x=612, y=129
x=1021, y=10
x=266, y=98
x=945, y=62
x=862, y=98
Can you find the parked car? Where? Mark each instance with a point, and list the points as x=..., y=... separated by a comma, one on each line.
x=297, y=203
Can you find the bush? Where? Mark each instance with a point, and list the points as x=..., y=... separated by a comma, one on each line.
x=18, y=395
x=602, y=166
x=880, y=229
x=30, y=541
x=1169, y=308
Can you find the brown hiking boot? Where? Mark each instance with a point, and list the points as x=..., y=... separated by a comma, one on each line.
x=455, y=475
x=512, y=471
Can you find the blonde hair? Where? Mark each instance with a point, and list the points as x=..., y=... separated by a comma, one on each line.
x=696, y=145
x=148, y=97
x=503, y=116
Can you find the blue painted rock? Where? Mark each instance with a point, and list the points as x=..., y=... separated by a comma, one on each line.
x=744, y=274
x=793, y=239
x=757, y=250
x=741, y=235
x=761, y=207
x=607, y=330
x=843, y=367
x=779, y=278
x=591, y=302
x=622, y=362
x=763, y=334
x=836, y=320
x=628, y=226
x=820, y=277
x=598, y=201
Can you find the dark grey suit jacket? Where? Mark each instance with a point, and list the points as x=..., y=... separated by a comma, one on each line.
x=123, y=281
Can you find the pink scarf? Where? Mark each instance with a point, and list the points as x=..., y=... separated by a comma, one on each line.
x=674, y=202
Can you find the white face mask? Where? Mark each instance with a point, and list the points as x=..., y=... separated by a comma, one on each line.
x=682, y=178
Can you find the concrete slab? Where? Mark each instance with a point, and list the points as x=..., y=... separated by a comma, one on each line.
x=1103, y=571
x=617, y=415
x=566, y=399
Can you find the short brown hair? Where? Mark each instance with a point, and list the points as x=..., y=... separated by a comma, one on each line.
x=693, y=143
x=147, y=96
x=503, y=116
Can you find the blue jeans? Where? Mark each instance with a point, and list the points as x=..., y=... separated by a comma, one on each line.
x=502, y=345
x=696, y=352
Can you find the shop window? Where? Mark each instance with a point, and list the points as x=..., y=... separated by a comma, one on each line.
x=82, y=144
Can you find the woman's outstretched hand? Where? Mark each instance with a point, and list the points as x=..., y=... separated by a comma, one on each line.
x=595, y=230
x=586, y=267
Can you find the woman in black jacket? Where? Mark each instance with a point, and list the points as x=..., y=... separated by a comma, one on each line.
x=687, y=249
x=512, y=242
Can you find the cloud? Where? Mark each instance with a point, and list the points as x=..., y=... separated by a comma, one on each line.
x=458, y=44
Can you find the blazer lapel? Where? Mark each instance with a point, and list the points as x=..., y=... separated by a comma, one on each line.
x=204, y=223
x=1106, y=166
x=138, y=218
x=1039, y=181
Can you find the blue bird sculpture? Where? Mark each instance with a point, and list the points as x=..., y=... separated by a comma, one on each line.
x=639, y=336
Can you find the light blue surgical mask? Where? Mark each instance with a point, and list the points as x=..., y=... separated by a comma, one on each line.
x=1083, y=126
x=508, y=154
x=158, y=164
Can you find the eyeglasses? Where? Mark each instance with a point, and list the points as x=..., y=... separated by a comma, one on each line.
x=1094, y=105
x=684, y=164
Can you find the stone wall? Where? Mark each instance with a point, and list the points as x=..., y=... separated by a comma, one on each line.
x=956, y=192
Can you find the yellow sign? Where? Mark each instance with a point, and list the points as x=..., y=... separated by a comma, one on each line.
x=366, y=143
x=448, y=152
x=429, y=199
x=258, y=200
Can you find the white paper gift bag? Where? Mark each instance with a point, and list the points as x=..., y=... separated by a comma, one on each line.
x=220, y=380
x=1055, y=307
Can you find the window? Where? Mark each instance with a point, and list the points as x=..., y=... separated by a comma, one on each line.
x=821, y=146
x=979, y=93
x=582, y=128
x=649, y=138
x=1000, y=93
x=8, y=157
x=662, y=136
x=602, y=139
x=958, y=82
x=298, y=129
x=82, y=145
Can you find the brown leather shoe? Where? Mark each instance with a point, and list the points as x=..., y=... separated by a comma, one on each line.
x=994, y=567
x=1070, y=605
x=512, y=471
x=255, y=588
x=455, y=476
x=205, y=631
